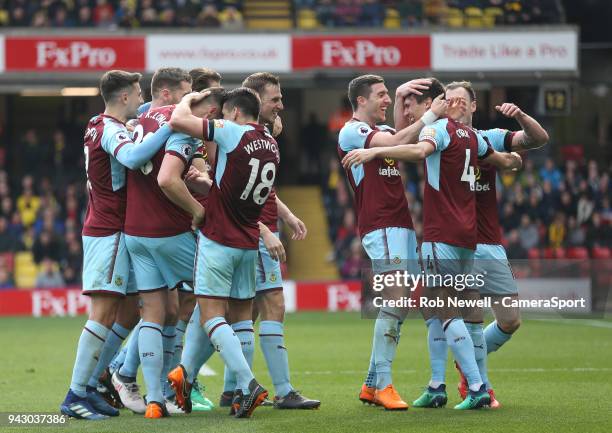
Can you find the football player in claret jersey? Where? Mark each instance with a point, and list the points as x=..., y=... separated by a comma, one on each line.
x=245, y=169
x=269, y=301
x=384, y=220
x=450, y=149
x=169, y=85
x=108, y=150
x=490, y=257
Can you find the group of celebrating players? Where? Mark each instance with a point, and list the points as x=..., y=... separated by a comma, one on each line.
x=461, y=231
x=182, y=212
x=164, y=225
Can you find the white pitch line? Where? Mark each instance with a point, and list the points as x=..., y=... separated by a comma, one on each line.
x=495, y=370
x=584, y=322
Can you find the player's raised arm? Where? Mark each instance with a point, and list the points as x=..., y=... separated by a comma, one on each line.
x=118, y=143
x=532, y=134
x=183, y=120
x=504, y=161
x=170, y=179
x=297, y=226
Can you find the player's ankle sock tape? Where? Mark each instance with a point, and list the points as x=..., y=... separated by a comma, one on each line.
x=151, y=349
x=272, y=342
x=227, y=343
x=114, y=339
x=438, y=349
x=90, y=345
x=495, y=337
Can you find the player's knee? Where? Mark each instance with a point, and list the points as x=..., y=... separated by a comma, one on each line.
x=510, y=325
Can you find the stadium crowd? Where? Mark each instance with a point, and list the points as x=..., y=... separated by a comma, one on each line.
x=554, y=210
x=122, y=13
x=228, y=14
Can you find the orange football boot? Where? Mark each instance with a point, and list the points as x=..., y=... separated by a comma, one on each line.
x=494, y=403
x=156, y=410
x=177, y=379
x=367, y=394
x=462, y=386
x=390, y=399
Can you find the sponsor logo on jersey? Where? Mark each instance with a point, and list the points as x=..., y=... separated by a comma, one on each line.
x=482, y=187
x=397, y=260
x=390, y=161
x=389, y=171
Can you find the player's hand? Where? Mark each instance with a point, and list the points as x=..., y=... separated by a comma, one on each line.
x=297, y=227
x=274, y=246
x=130, y=125
x=456, y=108
x=516, y=161
x=358, y=156
x=277, y=128
x=413, y=87
x=510, y=110
x=198, y=218
x=194, y=97
x=439, y=105
x=196, y=179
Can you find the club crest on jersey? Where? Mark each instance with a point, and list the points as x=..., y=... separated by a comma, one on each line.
x=118, y=281
x=462, y=133
x=186, y=150
x=272, y=277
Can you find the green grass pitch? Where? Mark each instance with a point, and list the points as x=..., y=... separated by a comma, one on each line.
x=554, y=376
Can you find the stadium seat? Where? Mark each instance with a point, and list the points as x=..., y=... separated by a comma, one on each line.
x=492, y=16
x=454, y=17
x=600, y=253
x=25, y=270
x=533, y=254
x=392, y=19
x=307, y=19
x=473, y=17
x=577, y=253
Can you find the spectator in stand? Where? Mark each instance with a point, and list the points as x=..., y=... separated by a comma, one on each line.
x=209, y=17
x=167, y=17
x=187, y=11
x=585, y=209
x=411, y=12
x=84, y=17
x=231, y=18
x=40, y=19
x=28, y=203
x=325, y=13
x=103, y=14
x=372, y=14
x=47, y=245
x=61, y=18
x=354, y=263
x=557, y=231
x=551, y=173
x=8, y=241
x=598, y=234
x=576, y=235
x=49, y=275
x=515, y=250
x=346, y=233
x=528, y=233
x=19, y=17
x=6, y=280
x=347, y=13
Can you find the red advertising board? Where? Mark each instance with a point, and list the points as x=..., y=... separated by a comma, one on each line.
x=361, y=52
x=79, y=54
x=47, y=302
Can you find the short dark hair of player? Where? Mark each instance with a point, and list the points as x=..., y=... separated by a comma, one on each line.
x=463, y=84
x=259, y=80
x=436, y=88
x=245, y=99
x=202, y=78
x=217, y=96
x=168, y=78
x=362, y=86
x=115, y=81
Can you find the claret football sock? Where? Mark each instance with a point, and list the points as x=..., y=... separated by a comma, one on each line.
x=272, y=342
x=151, y=350
x=438, y=351
x=88, y=351
x=113, y=341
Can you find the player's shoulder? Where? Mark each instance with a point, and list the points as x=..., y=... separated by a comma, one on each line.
x=386, y=128
x=354, y=128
